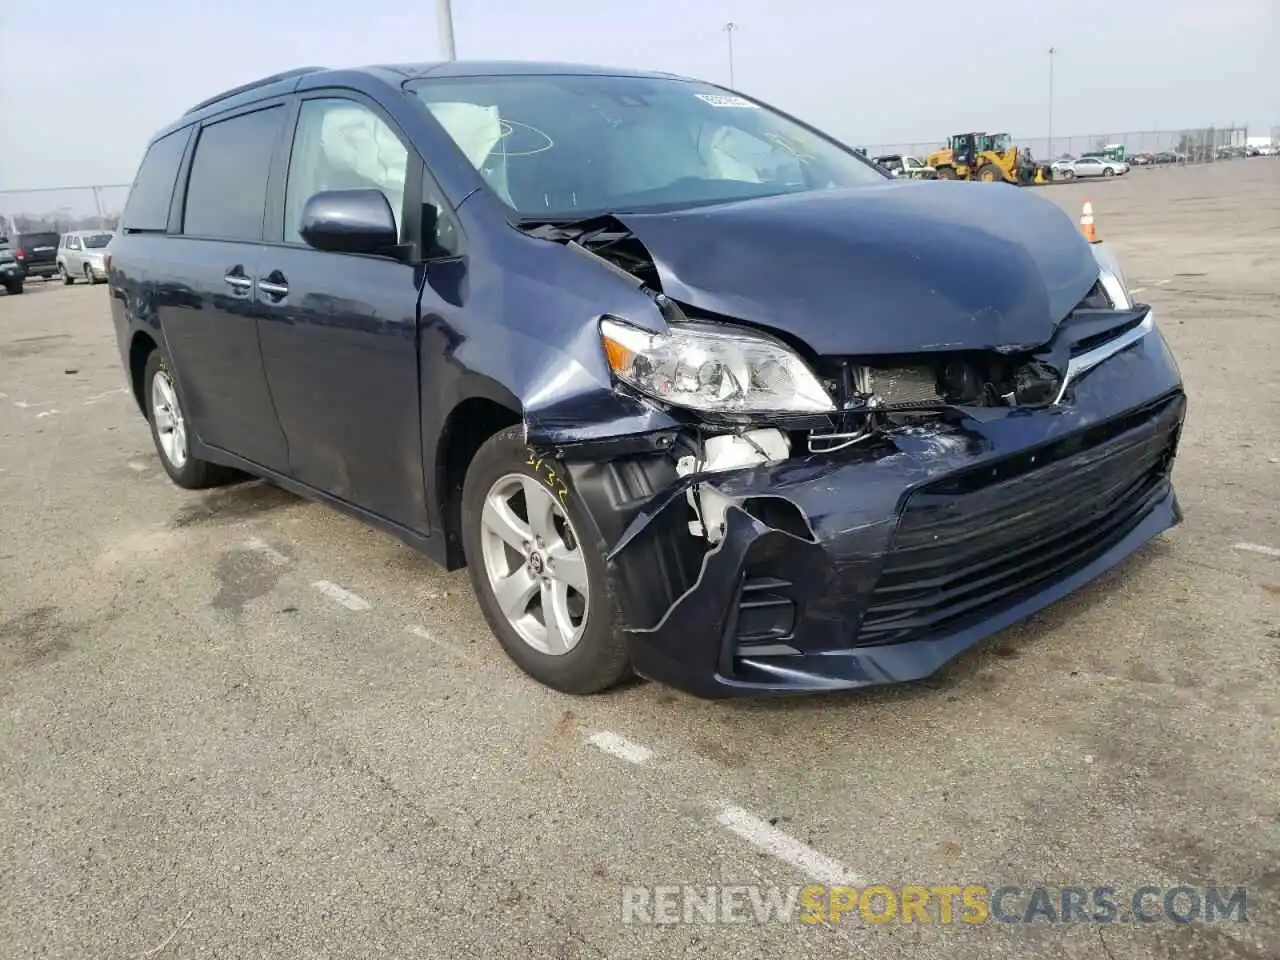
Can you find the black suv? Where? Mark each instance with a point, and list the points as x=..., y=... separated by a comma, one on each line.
x=36, y=253
x=690, y=387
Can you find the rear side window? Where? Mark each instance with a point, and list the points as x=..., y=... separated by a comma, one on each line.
x=148, y=205
x=227, y=190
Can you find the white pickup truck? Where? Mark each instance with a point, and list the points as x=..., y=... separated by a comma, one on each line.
x=906, y=167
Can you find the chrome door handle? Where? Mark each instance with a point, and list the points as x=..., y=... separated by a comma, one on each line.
x=238, y=283
x=274, y=289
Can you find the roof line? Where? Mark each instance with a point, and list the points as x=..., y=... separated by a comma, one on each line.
x=245, y=87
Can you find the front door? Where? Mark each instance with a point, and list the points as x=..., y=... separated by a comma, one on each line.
x=340, y=331
x=207, y=310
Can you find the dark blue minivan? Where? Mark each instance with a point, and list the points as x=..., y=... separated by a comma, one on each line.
x=691, y=388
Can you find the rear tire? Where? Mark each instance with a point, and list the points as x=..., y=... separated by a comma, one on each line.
x=595, y=658
x=170, y=432
x=14, y=288
x=67, y=279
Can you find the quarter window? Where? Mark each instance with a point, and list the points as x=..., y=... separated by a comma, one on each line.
x=227, y=190
x=342, y=145
x=152, y=191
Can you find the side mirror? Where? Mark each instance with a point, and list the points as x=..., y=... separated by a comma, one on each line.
x=349, y=221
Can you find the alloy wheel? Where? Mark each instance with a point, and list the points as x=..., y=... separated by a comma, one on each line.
x=171, y=426
x=534, y=563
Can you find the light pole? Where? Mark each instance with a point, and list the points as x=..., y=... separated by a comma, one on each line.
x=728, y=28
x=1052, y=51
x=444, y=22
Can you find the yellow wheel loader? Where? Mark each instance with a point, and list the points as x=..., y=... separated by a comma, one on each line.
x=990, y=158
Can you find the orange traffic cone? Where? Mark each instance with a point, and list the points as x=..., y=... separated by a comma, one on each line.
x=1086, y=223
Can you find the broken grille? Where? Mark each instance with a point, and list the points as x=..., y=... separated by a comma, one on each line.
x=964, y=549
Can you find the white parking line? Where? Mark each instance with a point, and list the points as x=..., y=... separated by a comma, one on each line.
x=1258, y=548
x=137, y=466
x=619, y=746
x=258, y=545
x=28, y=404
x=1137, y=289
x=342, y=595
x=764, y=836
x=422, y=633
x=110, y=393
x=45, y=413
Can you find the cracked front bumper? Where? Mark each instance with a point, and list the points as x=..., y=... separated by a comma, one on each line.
x=911, y=550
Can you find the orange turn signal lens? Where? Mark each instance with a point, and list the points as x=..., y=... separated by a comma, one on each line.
x=619, y=356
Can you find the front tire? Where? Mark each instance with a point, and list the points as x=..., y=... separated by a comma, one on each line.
x=170, y=432
x=538, y=568
x=1108, y=172
x=990, y=173
x=946, y=173
x=88, y=275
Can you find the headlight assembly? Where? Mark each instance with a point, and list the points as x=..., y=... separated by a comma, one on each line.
x=714, y=368
x=1111, y=277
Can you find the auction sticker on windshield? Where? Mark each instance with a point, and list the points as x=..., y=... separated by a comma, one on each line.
x=726, y=100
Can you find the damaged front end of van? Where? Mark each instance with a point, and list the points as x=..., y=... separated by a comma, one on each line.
x=850, y=434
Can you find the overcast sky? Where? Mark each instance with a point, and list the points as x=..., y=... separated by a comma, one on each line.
x=83, y=86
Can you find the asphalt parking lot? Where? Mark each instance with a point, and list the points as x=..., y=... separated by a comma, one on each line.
x=240, y=724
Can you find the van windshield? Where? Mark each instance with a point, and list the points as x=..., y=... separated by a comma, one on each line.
x=569, y=146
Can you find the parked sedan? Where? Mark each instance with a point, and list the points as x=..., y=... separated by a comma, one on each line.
x=690, y=388
x=1089, y=167
x=81, y=256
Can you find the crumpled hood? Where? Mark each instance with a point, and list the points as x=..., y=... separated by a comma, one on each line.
x=898, y=268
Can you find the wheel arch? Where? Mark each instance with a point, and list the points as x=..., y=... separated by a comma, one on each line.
x=141, y=346
x=486, y=409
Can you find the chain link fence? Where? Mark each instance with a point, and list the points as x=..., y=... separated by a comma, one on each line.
x=60, y=209
x=1149, y=147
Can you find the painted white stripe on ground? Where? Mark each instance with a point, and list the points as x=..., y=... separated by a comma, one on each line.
x=1137, y=289
x=137, y=466
x=620, y=747
x=28, y=404
x=423, y=633
x=343, y=596
x=258, y=545
x=1258, y=548
x=764, y=836
x=45, y=413
x=100, y=396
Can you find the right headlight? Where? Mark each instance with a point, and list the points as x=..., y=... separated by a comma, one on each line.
x=715, y=368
